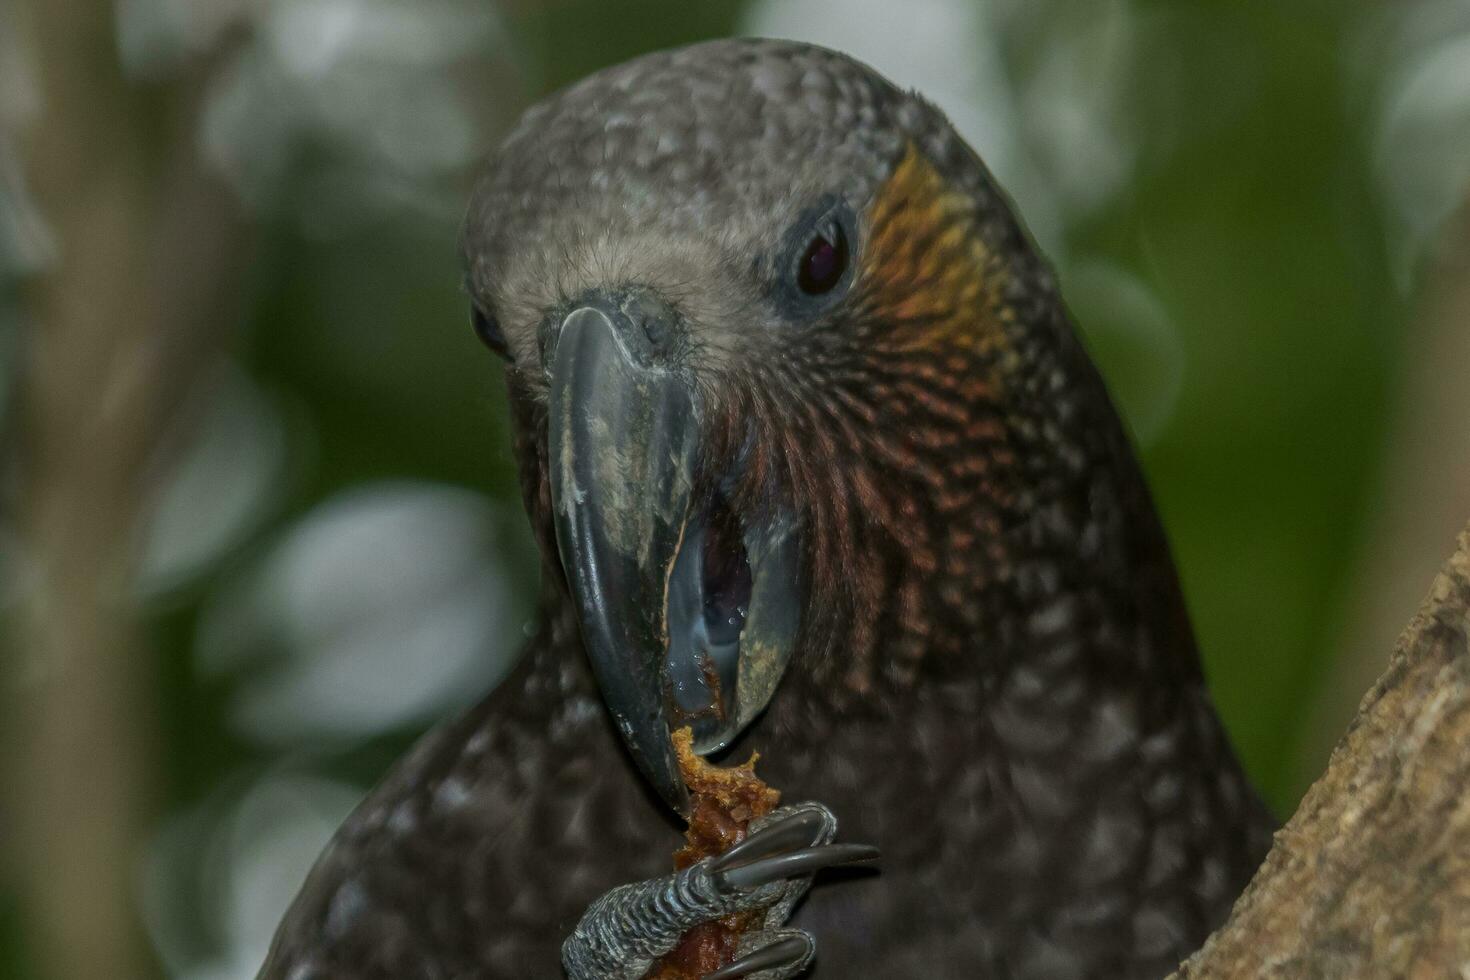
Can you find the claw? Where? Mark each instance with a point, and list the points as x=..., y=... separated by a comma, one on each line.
x=794, y=842
x=804, y=828
x=788, y=953
x=799, y=862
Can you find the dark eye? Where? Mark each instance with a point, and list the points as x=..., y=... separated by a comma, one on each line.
x=487, y=328
x=824, y=262
x=814, y=260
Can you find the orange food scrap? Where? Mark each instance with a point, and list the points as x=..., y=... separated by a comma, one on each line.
x=722, y=803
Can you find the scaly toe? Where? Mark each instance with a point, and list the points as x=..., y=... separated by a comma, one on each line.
x=785, y=957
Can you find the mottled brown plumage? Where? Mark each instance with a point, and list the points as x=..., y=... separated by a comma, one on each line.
x=994, y=679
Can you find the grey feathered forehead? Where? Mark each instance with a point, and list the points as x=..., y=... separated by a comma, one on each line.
x=723, y=132
x=690, y=160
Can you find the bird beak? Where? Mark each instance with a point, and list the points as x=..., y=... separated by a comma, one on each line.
x=623, y=432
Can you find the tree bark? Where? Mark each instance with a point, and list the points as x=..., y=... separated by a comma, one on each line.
x=1371, y=877
x=130, y=310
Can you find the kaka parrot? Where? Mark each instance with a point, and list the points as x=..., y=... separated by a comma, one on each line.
x=820, y=469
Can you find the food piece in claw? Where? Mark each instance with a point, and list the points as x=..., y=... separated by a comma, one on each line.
x=722, y=804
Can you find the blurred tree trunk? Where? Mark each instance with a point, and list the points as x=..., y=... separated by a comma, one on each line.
x=1423, y=496
x=1371, y=877
x=122, y=321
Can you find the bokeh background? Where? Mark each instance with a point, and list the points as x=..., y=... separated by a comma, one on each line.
x=258, y=527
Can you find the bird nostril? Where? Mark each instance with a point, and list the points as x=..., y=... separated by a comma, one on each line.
x=656, y=330
x=651, y=319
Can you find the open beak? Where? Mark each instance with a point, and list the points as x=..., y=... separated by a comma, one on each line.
x=688, y=612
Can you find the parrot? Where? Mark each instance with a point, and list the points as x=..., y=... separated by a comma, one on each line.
x=820, y=469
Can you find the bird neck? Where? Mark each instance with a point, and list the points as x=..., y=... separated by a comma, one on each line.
x=1027, y=536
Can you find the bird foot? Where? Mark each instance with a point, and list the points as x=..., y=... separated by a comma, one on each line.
x=628, y=929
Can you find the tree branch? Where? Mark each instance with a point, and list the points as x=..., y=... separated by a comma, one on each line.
x=1371, y=877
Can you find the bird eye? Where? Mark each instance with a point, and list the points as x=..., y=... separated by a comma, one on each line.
x=487, y=328
x=824, y=262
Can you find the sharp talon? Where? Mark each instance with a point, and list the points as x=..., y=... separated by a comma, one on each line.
x=794, y=863
x=802, y=829
x=787, y=952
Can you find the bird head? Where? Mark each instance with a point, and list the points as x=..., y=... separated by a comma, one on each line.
x=783, y=369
